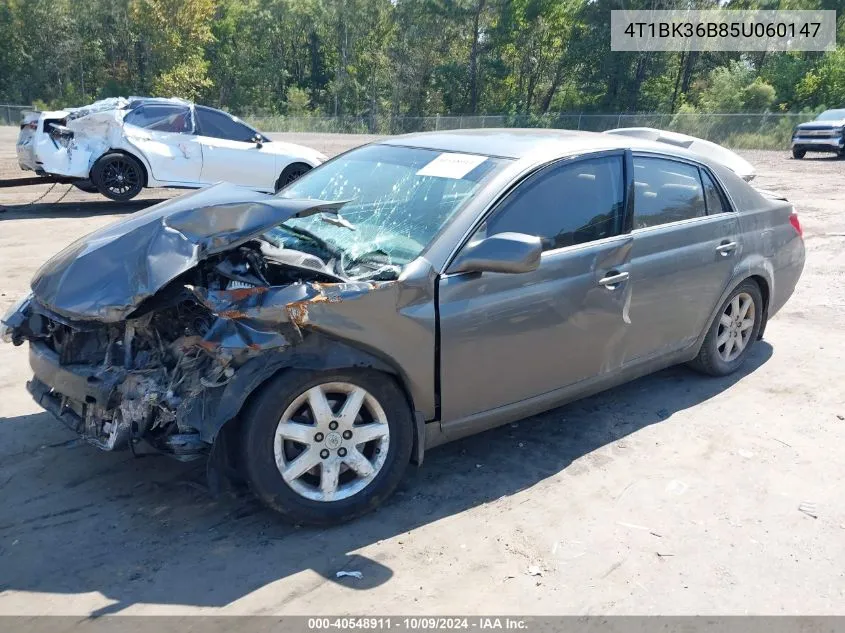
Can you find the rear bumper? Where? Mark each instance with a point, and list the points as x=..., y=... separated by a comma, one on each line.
x=25, y=151
x=789, y=266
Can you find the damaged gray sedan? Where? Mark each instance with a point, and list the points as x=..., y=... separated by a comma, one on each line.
x=402, y=295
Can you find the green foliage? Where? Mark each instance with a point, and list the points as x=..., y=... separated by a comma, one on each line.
x=297, y=101
x=369, y=60
x=734, y=88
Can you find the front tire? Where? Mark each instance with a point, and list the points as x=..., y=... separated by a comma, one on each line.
x=323, y=448
x=798, y=154
x=732, y=333
x=118, y=176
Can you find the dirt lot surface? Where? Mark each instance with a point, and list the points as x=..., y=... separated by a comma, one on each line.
x=675, y=494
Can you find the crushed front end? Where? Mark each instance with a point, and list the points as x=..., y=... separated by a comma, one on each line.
x=151, y=331
x=115, y=382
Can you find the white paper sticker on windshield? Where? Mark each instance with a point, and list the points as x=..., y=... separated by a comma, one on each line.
x=448, y=165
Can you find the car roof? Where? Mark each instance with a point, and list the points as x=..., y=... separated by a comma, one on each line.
x=531, y=144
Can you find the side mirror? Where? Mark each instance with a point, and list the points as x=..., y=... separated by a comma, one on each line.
x=501, y=253
x=259, y=142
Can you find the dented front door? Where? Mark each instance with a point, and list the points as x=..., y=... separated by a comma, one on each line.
x=508, y=337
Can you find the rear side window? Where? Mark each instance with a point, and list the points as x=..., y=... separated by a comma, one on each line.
x=162, y=118
x=570, y=204
x=666, y=191
x=712, y=196
x=221, y=125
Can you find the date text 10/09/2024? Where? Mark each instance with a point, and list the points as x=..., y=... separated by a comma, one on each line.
x=417, y=623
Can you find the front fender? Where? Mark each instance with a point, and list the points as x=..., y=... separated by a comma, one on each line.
x=210, y=411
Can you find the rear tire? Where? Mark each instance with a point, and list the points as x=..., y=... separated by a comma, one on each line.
x=735, y=327
x=798, y=154
x=118, y=176
x=290, y=173
x=340, y=474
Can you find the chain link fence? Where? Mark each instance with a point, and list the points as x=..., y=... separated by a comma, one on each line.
x=12, y=114
x=740, y=131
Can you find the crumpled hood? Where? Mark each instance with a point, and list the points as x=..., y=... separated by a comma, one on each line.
x=107, y=274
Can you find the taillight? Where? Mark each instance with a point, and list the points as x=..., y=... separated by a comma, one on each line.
x=30, y=125
x=793, y=220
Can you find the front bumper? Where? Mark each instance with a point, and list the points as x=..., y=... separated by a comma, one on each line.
x=76, y=395
x=80, y=383
x=818, y=144
x=79, y=395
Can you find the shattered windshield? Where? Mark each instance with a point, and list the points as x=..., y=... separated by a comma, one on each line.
x=398, y=198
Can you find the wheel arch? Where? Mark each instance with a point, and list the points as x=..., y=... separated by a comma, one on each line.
x=760, y=272
x=145, y=169
x=322, y=353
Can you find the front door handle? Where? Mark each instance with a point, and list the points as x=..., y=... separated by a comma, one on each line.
x=726, y=248
x=613, y=278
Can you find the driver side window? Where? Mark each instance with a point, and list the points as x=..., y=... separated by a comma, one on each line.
x=573, y=203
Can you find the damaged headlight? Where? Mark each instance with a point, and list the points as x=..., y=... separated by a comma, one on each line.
x=13, y=318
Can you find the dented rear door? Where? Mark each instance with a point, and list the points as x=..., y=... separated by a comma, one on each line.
x=686, y=243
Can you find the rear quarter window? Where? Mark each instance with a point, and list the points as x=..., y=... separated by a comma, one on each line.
x=161, y=118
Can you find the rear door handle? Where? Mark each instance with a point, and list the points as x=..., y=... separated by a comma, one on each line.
x=613, y=278
x=726, y=248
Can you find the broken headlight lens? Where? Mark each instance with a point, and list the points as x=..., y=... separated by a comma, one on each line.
x=13, y=318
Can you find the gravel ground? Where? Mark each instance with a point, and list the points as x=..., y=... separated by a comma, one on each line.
x=674, y=494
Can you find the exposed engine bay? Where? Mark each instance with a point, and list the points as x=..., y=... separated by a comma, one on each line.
x=147, y=373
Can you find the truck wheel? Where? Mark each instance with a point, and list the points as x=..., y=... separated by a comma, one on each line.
x=118, y=176
x=798, y=153
x=326, y=447
x=732, y=333
x=291, y=173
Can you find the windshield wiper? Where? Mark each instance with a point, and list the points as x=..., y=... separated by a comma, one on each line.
x=338, y=220
x=319, y=241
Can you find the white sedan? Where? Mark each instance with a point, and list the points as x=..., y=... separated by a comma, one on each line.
x=119, y=146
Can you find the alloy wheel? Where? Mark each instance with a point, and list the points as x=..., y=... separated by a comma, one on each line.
x=736, y=325
x=120, y=176
x=331, y=442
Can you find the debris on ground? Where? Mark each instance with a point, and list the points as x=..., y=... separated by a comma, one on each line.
x=633, y=526
x=661, y=556
x=351, y=574
x=809, y=509
x=535, y=570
